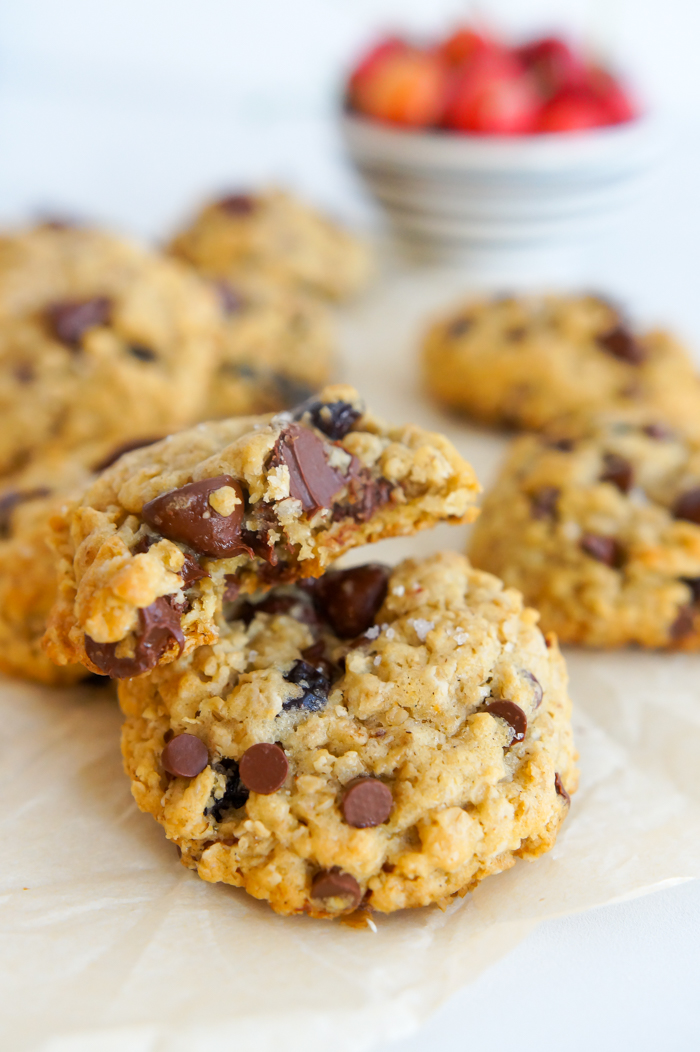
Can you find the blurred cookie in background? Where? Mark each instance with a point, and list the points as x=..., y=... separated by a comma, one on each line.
x=597, y=522
x=524, y=361
x=278, y=348
x=272, y=234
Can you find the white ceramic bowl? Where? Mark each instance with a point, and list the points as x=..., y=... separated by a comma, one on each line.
x=465, y=198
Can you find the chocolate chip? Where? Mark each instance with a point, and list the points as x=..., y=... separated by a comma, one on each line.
x=543, y=503
x=659, y=432
x=537, y=687
x=335, y=419
x=237, y=204
x=688, y=506
x=314, y=683
x=311, y=478
x=143, y=353
x=125, y=447
x=186, y=515
x=622, y=344
x=191, y=571
x=459, y=327
x=512, y=714
x=559, y=786
x=334, y=884
x=69, y=320
x=315, y=655
x=694, y=585
x=367, y=803
x=350, y=599
x=9, y=501
x=230, y=299
x=235, y=793
x=158, y=625
x=185, y=756
x=618, y=471
x=605, y=549
x=263, y=768
x=365, y=494
x=684, y=623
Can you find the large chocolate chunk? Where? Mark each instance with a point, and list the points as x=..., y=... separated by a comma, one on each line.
x=512, y=714
x=367, y=803
x=158, y=625
x=618, y=471
x=349, y=599
x=186, y=515
x=185, y=756
x=334, y=884
x=688, y=506
x=69, y=320
x=311, y=478
x=622, y=344
x=605, y=549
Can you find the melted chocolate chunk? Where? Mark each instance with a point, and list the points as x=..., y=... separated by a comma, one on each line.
x=191, y=571
x=315, y=686
x=512, y=714
x=235, y=793
x=688, y=506
x=605, y=549
x=316, y=656
x=125, y=447
x=185, y=756
x=334, y=884
x=230, y=299
x=684, y=623
x=622, y=344
x=543, y=503
x=367, y=803
x=350, y=599
x=311, y=478
x=263, y=768
x=537, y=687
x=143, y=353
x=158, y=625
x=186, y=515
x=618, y=471
x=334, y=419
x=9, y=501
x=69, y=320
x=561, y=791
x=237, y=204
x=365, y=494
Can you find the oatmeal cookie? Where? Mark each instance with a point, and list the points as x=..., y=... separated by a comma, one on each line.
x=278, y=348
x=28, y=570
x=384, y=737
x=274, y=235
x=112, y=342
x=597, y=522
x=163, y=535
x=525, y=361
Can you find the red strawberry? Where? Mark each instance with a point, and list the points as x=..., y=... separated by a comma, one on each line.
x=462, y=45
x=492, y=95
x=405, y=87
x=608, y=90
x=553, y=64
x=374, y=57
x=572, y=109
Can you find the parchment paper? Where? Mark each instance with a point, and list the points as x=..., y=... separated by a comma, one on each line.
x=109, y=945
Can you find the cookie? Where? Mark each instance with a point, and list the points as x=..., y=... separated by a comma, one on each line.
x=597, y=522
x=278, y=348
x=274, y=235
x=119, y=343
x=167, y=532
x=28, y=570
x=522, y=362
x=385, y=737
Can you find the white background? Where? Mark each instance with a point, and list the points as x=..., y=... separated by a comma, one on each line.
x=128, y=110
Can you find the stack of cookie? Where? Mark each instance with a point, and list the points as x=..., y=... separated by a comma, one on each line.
x=596, y=518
